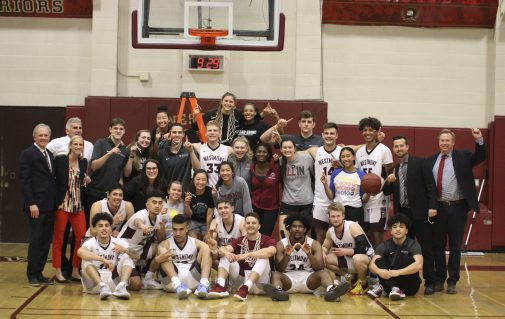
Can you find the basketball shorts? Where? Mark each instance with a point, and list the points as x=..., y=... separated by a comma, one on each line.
x=111, y=278
x=299, y=281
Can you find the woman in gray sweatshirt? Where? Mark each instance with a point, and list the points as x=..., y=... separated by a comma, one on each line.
x=233, y=188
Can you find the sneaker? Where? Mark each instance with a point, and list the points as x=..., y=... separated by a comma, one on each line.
x=451, y=289
x=104, y=291
x=202, y=291
x=276, y=293
x=151, y=284
x=182, y=292
x=218, y=292
x=357, y=289
x=375, y=292
x=242, y=293
x=336, y=291
x=396, y=294
x=121, y=292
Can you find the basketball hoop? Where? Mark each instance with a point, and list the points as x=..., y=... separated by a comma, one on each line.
x=208, y=36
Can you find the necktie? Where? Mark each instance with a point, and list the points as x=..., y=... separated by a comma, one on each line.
x=439, y=174
x=403, y=185
x=48, y=162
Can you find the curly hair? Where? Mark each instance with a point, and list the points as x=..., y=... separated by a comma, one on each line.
x=304, y=219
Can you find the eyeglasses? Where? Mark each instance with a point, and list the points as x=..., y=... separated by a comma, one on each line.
x=151, y=168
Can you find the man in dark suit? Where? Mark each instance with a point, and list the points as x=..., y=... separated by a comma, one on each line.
x=39, y=199
x=456, y=195
x=415, y=196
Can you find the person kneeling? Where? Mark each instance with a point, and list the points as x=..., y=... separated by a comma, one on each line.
x=106, y=260
x=185, y=262
x=300, y=264
x=397, y=262
x=245, y=262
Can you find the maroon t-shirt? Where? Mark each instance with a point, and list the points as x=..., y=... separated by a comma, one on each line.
x=265, y=189
x=265, y=242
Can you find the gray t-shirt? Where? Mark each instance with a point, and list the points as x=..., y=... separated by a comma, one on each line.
x=297, y=181
x=239, y=194
x=168, y=213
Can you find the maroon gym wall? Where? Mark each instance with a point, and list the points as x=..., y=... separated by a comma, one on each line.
x=139, y=113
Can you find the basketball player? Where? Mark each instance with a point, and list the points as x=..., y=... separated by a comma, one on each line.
x=347, y=248
x=213, y=152
x=226, y=227
x=325, y=161
x=106, y=261
x=375, y=158
x=185, y=262
x=245, y=261
x=300, y=265
x=119, y=209
x=142, y=232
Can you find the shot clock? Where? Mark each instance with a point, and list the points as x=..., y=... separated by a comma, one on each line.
x=206, y=62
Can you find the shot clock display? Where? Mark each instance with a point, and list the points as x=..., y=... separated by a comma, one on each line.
x=206, y=62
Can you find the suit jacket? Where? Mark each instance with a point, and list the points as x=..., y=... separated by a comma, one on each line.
x=421, y=188
x=37, y=182
x=464, y=161
x=61, y=167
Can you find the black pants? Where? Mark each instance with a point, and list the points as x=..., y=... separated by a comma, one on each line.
x=450, y=223
x=409, y=284
x=41, y=235
x=268, y=218
x=423, y=231
x=355, y=214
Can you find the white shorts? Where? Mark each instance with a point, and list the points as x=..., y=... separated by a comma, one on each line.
x=320, y=213
x=88, y=286
x=299, y=281
x=189, y=276
x=261, y=266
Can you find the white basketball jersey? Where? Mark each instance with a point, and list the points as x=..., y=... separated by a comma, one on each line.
x=105, y=209
x=322, y=164
x=224, y=236
x=298, y=260
x=185, y=255
x=135, y=236
x=347, y=241
x=372, y=162
x=210, y=160
x=105, y=252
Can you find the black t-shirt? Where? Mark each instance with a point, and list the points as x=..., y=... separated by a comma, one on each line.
x=399, y=257
x=175, y=167
x=200, y=203
x=252, y=131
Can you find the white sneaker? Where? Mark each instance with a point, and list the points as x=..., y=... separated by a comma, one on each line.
x=104, y=291
x=151, y=284
x=396, y=294
x=121, y=292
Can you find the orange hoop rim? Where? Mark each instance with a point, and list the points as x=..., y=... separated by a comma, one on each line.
x=208, y=33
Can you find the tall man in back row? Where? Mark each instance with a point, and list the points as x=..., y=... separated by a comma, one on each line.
x=456, y=195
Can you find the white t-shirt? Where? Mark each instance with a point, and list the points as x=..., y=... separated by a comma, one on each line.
x=59, y=146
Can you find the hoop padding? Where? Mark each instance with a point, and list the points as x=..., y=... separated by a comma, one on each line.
x=208, y=36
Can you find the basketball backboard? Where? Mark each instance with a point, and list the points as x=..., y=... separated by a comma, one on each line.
x=252, y=25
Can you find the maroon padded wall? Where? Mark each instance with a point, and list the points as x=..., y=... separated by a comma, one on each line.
x=487, y=232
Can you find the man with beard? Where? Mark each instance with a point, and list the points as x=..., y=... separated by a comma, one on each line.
x=300, y=264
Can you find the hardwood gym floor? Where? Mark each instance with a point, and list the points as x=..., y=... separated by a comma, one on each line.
x=481, y=294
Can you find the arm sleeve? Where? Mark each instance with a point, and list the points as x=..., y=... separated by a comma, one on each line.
x=362, y=244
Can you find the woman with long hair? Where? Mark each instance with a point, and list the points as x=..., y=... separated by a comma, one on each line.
x=234, y=188
x=265, y=182
x=139, y=153
x=227, y=117
x=149, y=179
x=70, y=171
x=199, y=204
x=241, y=158
x=345, y=186
x=174, y=205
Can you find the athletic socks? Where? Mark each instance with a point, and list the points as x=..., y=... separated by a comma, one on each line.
x=221, y=281
x=205, y=282
x=175, y=281
x=248, y=283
